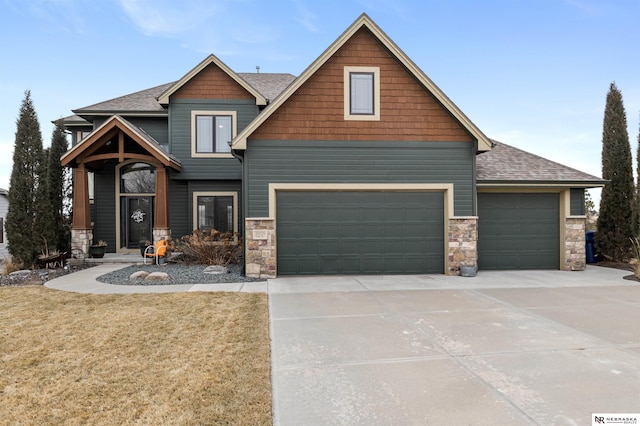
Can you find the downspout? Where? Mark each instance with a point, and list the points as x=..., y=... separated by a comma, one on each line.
x=244, y=206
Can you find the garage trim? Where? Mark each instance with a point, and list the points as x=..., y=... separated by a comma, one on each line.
x=445, y=188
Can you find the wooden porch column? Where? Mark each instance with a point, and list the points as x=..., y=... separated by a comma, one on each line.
x=81, y=212
x=161, y=212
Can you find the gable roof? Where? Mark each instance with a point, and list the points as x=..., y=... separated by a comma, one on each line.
x=163, y=99
x=240, y=141
x=144, y=101
x=140, y=136
x=506, y=165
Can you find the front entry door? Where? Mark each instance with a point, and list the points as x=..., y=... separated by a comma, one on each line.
x=137, y=220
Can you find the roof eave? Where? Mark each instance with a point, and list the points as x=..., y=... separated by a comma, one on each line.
x=541, y=183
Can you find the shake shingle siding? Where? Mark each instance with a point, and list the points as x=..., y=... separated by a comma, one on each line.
x=358, y=162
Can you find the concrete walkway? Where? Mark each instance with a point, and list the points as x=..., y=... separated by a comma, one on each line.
x=503, y=348
x=84, y=281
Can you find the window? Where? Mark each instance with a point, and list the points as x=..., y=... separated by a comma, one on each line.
x=361, y=93
x=215, y=210
x=211, y=133
x=137, y=178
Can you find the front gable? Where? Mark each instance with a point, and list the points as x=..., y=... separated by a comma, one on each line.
x=412, y=107
x=211, y=79
x=408, y=112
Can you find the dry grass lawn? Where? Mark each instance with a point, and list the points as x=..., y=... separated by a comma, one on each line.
x=179, y=358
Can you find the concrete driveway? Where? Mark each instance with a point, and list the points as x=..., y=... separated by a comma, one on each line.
x=502, y=348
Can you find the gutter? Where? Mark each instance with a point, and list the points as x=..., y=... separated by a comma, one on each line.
x=244, y=206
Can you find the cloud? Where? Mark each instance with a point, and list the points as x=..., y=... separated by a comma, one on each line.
x=166, y=18
x=305, y=17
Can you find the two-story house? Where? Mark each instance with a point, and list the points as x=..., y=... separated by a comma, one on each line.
x=360, y=165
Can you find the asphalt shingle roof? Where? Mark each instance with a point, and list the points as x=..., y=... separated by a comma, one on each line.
x=506, y=163
x=270, y=85
x=144, y=100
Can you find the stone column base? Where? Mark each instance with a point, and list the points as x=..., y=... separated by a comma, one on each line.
x=463, y=244
x=575, y=251
x=80, y=242
x=161, y=234
x=260, y=250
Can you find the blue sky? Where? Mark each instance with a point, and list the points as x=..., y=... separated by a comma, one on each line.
x=533, y=74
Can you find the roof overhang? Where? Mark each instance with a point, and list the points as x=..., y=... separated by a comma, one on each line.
x=484, y=144
x=539, y=184
x=83, y=151
x=163, y=99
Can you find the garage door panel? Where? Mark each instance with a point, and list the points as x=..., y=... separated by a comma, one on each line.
x=518, y=231
x=377, y=232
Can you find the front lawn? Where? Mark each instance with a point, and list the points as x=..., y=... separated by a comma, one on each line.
x=176, y=358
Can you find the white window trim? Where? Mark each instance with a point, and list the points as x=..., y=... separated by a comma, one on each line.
x=234, y=129
x=197, y=194
x=376, y=94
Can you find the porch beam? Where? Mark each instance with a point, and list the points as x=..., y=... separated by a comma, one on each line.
x=161, y=211
x=126, y=156
x=81, y=211
x=121, y=146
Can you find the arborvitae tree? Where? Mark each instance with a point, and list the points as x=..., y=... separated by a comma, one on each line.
x=616, y=202
x=24, y=240
x=44, y=222
x=590, y=211
x=58, y=186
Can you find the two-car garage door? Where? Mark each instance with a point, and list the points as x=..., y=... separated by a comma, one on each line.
x=360, y=232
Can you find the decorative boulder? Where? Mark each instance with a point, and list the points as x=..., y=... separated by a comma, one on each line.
x=215, y=270
x=138, y=275
x=157, y=276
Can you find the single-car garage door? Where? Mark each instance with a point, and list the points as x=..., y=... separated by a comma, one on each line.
x=518, y=231
x=359, y=232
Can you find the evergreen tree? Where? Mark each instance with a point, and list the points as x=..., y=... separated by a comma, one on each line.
x=44, y=222
x=24, y=240
x=616, y=202
x=58, y=185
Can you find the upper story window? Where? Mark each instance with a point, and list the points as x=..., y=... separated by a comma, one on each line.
x=211, y=133
x=362, y=93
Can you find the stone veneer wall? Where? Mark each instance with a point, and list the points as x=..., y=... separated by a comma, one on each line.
x=463, y=243
x=80, y=242
x=260, y=250
x=575, y=252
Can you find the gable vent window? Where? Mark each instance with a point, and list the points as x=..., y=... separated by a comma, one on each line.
x=211, y=133
x=362, y=93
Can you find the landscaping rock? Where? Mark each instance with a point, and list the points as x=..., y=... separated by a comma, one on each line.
x=157, y=276
x=138, y=275
x=22, y=273
x=215, y=269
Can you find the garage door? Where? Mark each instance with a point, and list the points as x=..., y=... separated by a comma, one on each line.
x=518, y=231
x=368, y=232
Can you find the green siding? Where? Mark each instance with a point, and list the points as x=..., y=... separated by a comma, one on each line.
x=358, y=162
x=104, y=221
x=577, y=202
x=518, y=231
x=180, y=138
x=179, y=219
x=360, y=232
x=157, y=128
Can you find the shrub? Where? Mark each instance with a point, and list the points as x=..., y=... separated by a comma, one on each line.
x=210, y=247
x=10, y=265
